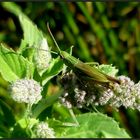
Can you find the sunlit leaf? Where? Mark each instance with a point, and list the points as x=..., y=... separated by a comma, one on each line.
x=55, y=68
x=12, y=65
x=95, y=125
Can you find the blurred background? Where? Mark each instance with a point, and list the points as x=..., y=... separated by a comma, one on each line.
x=105, y=32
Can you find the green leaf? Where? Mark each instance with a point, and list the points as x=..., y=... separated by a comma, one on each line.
x=7, y=113
x=12, y=65
x=32, y=35
x=54, y=69
x=24, y=123
x=19, y=132
x=32, y=38
x=4, y=132
x=44, y=103
x=108, y=69
x=94, y=125
x=12, y=7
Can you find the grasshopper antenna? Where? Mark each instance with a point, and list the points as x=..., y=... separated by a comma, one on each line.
x=53, y=37
x=38, y=49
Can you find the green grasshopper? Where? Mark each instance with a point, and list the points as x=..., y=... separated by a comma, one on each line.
x=82, y=69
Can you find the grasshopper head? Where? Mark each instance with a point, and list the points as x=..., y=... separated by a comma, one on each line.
x=64, y=54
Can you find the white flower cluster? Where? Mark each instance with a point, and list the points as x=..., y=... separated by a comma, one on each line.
x=126, y=94
x=80, y=97
x=26, y=91
x=136, y=93
x=64, y=101
x=106, y=96
x=42, y=130
x=123, y=93
x=42, y=56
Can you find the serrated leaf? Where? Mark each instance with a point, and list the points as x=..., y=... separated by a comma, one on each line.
x=108, y=69
x=32, y=35
x=94, y=125
x=12, y=65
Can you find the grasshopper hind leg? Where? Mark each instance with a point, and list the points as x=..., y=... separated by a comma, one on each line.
x=92, y=64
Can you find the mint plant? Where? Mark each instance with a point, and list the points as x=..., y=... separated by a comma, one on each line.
x=29, y=71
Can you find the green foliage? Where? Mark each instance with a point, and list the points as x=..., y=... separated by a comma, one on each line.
x=12, y=66
x=111, y=36
x=95, y=125
x=45, y=103
x=32, y=36
x=108, y=69
x=7, y=119
x=7, y=114
x=54, y=69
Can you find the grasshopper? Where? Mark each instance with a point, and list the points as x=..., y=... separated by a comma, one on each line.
x=82, y=69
